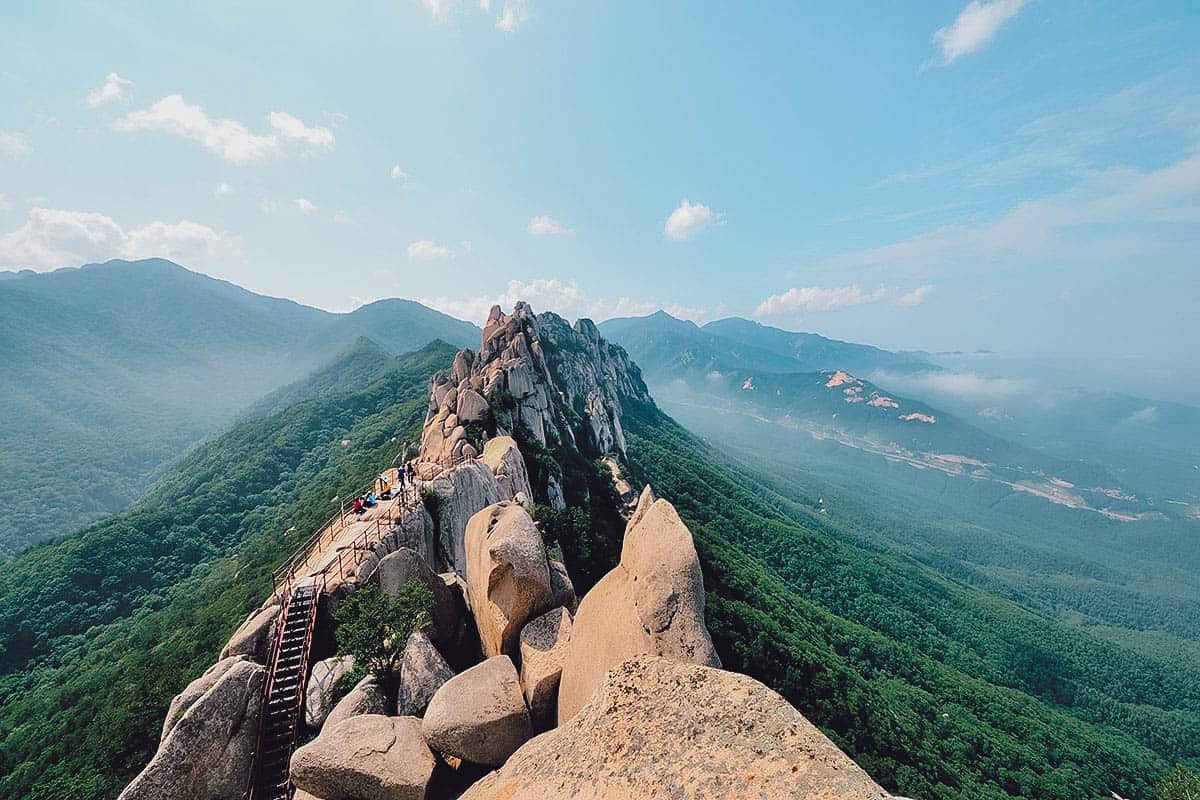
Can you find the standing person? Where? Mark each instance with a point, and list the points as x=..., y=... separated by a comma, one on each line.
x=411, y=474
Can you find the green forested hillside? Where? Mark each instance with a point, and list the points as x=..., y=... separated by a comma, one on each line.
x=113, y=370
x=100, y=630
x=939, y=690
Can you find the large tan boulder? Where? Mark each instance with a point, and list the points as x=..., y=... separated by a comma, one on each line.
x=367, y=697
x=454, y=497
x=255, y=637
x=543, y=648
x=651, y=602
x=207, y=752
x=479, y=715
x=423, y=671
x=406, y=565
x=659, y=728
x=194, y=691
x=508, y=580
x=504, y=457
x=369, y=757
x=318, y=693
x=561, y=586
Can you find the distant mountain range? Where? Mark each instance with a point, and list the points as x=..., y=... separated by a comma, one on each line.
x=1074, y=454
x=112, y=370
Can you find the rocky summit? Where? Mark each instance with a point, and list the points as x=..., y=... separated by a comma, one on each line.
x=511, y=686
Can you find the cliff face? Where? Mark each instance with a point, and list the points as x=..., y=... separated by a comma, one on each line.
x=537, y=377
x=633, y=657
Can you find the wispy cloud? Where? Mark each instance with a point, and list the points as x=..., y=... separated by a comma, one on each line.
x=428, y=250
x=399, y=174
x=114, y=88
x=229, y=139
x=222, y=190
x=513, y=13
x=305, y=205
x=567, y=299
x=975, y=26
x=810, y=299
x=52, y=238
x=688, y=219
x=14, y=145
x=545, y=226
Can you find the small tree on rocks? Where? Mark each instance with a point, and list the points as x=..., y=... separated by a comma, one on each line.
x=374, y=627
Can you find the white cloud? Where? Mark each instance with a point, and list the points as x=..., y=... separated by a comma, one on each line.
x=915, y=297
x=1095, y=222
x=565, y=298
x=689, y=219
x=293, y=128
x=960, y=385
x=809, y=299
x=426, y=250
x=14, y=144
x=5, y=203
x=513, y=15
x=399, y=174
x=186, y=242
x=52, y=238
x=229, y=139
x=223, y=189
x=113, y=88
x=305, y=205
x=1143, y=416
x=975, y=26
x=545, y=226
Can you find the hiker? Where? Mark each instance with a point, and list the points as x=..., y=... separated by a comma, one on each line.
x=358, y=506
x=371, y=501
x=385, y=483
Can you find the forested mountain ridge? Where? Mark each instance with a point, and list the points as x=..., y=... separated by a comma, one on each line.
x=99, y=630
x=112, y=370
x=938, y=689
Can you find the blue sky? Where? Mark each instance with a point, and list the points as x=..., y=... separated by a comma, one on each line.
x=1015, y=175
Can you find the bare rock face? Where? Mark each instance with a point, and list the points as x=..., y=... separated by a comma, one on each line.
x=255, y=637
x=370, y=757
x=318, y=694
x=423, y=671
x=508, y=580
x=367, y=697
x=207, y=752
x=406, y=565
x=194, y=691
x=502, y=455
x=479, y=715
x=661, y=728
x=457, y=494
x=651, y=602
x=561, y=586
x=543, y=648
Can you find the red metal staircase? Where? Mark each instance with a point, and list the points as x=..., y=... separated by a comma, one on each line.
x=284, y=695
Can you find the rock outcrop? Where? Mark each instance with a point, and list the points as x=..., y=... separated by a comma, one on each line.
x=370, y=757
x=367, y=697
x=508, y=580
x=651, y=602
x=658, y=728
x=207, y=752
x=318, y=693
x=454, y=497
x=414, y=530
x=543, y=647
x=423, y=671
x=194, y=691
x=255, y=637
x=561, y=586
x=508, y=465
x=479, y=715
x=406, y=565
